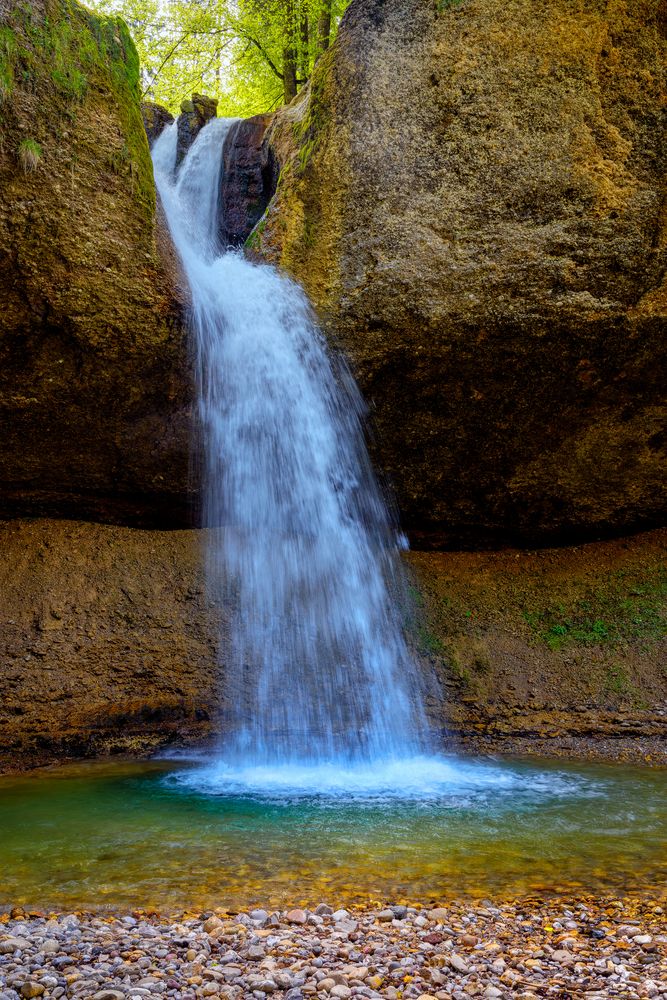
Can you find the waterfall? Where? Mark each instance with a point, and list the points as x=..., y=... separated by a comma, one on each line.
x=301, y=548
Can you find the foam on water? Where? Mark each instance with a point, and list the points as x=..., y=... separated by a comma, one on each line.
x=441, y=781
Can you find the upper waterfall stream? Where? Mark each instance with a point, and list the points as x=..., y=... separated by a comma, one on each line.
x=303, y=550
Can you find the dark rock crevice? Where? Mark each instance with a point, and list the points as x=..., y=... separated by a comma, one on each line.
x=248, y=180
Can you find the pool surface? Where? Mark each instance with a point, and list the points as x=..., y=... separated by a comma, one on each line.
x=173, y=835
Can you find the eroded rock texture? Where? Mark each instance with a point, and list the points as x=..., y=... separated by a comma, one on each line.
x=107, y=640
x=249, y=178
x=94, y=381
x=109, y=644
x=475, y=202
x=195, y=113
x=156, y=118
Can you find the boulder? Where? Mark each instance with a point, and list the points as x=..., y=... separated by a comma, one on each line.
x=156, y=118
x=474, y=199
x=195, y=113
x=95, y=390
x=248, y=180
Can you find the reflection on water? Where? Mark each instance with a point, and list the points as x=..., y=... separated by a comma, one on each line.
x=173, y=836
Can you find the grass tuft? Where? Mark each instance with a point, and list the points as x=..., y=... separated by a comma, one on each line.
x=29, y=155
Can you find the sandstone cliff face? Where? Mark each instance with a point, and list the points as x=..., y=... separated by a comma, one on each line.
x=107, y=640
x=94, y=386
x=108, y=644
x=474, y=199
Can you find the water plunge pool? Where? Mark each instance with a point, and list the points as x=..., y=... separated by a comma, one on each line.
x=174, y=836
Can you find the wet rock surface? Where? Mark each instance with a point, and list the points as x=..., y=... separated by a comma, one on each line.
x=248, y=179
x=156, y=118
x=195, y=113
x=108, y=643
x=525, y=949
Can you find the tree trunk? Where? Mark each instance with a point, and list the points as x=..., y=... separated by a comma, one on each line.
x=289, y=54
x=304, y=38
x=289, y=74
x=324, y=27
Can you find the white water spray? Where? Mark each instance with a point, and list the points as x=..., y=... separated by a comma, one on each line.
x=316, y=670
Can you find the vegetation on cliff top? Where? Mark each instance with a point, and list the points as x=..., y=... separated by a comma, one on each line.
x=74, y=53
x=250, y=55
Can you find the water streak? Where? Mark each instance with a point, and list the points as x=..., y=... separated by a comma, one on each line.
x=302, y=548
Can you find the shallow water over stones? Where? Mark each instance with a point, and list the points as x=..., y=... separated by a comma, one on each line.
x=130, y=834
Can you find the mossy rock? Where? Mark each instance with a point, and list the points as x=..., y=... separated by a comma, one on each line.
x=94, y=387
x=473, y=196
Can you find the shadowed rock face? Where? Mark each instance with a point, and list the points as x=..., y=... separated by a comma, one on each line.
x=474, y=199
x=248, y=180
x=94, y=380
x=109, y=644
x=195, y=113
x=156, y=118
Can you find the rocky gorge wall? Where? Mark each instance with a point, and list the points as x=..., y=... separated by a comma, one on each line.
x=473, y=195
x=108, y=644
x=94, y=382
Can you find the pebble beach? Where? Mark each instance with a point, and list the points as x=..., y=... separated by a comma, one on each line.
x=522, y=949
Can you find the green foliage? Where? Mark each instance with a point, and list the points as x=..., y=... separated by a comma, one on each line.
x=7, y=51
x=29, y=154
x=623, y=611
x=233, y=50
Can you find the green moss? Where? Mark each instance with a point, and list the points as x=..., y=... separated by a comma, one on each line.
x=255, y=238
x=428, y=642
x=309, y=131
x=7, y=52
x=618, y=683
x=624, y=609
x=81, y=56
x=442, y=5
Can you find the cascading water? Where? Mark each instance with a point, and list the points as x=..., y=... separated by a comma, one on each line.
x=302, y=546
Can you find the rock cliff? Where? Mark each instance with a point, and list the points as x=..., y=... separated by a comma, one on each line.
x=474, y=198
x=94, y=382
x=108, y=644
x=196, y=112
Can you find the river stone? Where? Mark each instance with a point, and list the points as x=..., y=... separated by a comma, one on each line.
x=31, y=989
x=12, y=944
x=458, y=963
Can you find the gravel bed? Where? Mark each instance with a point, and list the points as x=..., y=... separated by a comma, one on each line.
x=520, y=949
